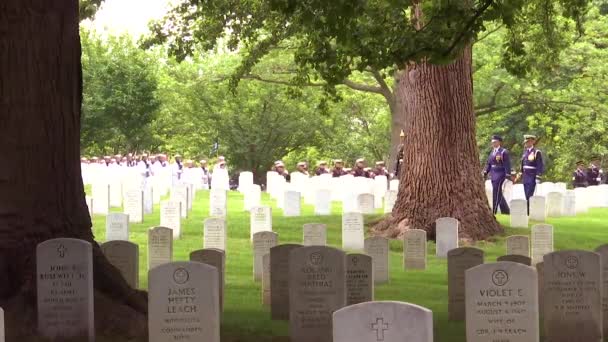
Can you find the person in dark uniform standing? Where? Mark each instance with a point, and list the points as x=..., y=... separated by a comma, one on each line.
x=594, y=173
x=380, y=169
x=532, y=166
x=359, y=169
x=321, y=168
x=579, y=177
x=400, y=153
x=338, y=169
x=498, y=167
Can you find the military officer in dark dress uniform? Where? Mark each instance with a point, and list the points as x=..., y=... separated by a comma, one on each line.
x=359, y=169
x=338, y=169
x=532, y=166
x=321, y=168
x=498, y=167
x=579, y=177
x=594, y=173
x=380, y=169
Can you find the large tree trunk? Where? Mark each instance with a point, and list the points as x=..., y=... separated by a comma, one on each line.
x=442, y=174
x=41, y=190
x=398, y=113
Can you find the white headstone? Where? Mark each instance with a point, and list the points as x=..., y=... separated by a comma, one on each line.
x=101, y=198
x=519, y=213
x=518, y=192
x=353, y=234
x=116, y=192
x=394, y=185
x=323, y=202
x=380, y=188
x=134, y=205
x=215, y=233
x=179, y=193
x=245, y=180
x=170, y=217
x=89, y=201
x=390, y=198
x=292, y=203
x=160, y=246
x=538, y=208
x=314, y=234
x=65, y=289
x=183, y=303
x=555, y=204
x=541, y=241
x=253, y=197
x=262, y=242
x=377, y=247
x=501, y=303
x=218, y=204
x=383, y=322
x=117, y=227
x=581, y=200
x=124, y=255
x=569, y=208
x=365, y=204
x=446, y=235
x=260, y=220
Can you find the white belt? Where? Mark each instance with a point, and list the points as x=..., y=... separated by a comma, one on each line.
x=529, y=167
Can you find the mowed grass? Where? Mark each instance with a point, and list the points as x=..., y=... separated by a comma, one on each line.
x=245, y=319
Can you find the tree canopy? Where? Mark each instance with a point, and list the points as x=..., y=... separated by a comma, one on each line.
x=331, y=39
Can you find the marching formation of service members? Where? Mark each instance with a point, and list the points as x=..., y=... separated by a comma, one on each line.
x=156, y=164
x=359, y=170
x=532, y=167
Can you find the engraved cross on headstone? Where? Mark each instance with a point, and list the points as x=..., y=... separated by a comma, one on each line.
x=380, y=327
x=61, y=250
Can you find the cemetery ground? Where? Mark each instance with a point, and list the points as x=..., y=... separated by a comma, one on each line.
x=245, y=319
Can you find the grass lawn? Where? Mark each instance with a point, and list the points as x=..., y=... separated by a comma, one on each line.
x=245, y=319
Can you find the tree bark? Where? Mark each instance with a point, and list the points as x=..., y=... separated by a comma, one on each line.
x=442, y=174
x=398, y=121
x=41, y=191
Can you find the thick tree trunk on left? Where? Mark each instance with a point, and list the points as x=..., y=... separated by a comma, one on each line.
x=41, y=190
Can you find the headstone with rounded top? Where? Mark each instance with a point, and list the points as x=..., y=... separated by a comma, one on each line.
x=383, y=322
x=317, y=288
x=291, y=203
x=65, y=289
x=353, y=234
x=518, y=244
x=542, y=241
x=365, y=203
x=216, y=258
x=160, y=246
x=124, y=255
x=214, y=233
x=117, y=227
x=170, y=217
x=359, y=279
x=414, y=249
x=573, y=296
x=377, y=248
x=314, y=234
x=555, y=204
x=323, y=202
x=260, y=220
x=538, y=208
x=460, y=260
x=279, y=281
x=501, y=303
x=446, y=235
x=134, y=205
x=262, y=242
x=519, y=213
x=183, y=303
x=603, y=252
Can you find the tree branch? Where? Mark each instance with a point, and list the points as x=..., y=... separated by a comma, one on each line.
x=363, y=87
